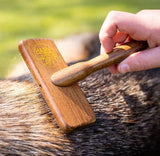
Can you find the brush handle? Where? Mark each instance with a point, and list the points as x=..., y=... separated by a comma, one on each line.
x=79, y=71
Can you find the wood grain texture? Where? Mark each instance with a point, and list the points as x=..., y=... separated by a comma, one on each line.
x=68, y=104
x=79, y=71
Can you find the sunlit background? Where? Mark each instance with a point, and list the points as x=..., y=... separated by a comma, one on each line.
x=23, y=19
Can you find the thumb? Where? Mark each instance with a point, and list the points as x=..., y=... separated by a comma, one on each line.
x=142, y=60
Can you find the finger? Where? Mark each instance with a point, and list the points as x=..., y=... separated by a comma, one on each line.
x=113, y=69
x=143, y=60
x=102, y=50
x=107, y=43
x=120, y=37
x=108, y=30
x=126, y=23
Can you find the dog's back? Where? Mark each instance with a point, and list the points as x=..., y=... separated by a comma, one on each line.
x=127, y=109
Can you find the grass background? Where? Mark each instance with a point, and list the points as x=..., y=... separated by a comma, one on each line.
x=22, y=19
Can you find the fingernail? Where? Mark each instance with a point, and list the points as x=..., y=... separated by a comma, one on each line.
x=123, y=68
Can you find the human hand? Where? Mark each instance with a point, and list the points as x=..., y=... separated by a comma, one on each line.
x=120, y=27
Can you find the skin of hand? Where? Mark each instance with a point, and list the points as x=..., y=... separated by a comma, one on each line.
x=120, y=27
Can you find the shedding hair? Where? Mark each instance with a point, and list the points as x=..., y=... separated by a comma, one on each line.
x=127, y=109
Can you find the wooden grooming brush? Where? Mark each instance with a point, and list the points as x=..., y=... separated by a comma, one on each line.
x=79, y=71
x=68, y=104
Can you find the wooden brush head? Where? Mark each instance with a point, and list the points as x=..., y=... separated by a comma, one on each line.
x=68, y=104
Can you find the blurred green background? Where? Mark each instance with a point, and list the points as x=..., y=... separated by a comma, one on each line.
x=22, y=19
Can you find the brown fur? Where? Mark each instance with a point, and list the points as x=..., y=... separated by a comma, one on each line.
x=127, y=109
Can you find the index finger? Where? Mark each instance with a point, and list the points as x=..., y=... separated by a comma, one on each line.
x=127, y=23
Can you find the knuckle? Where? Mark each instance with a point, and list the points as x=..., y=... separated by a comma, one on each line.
x=113, y=14
x=103, y=37
x=142, y=12
x=138, y=62
x=138, y=65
